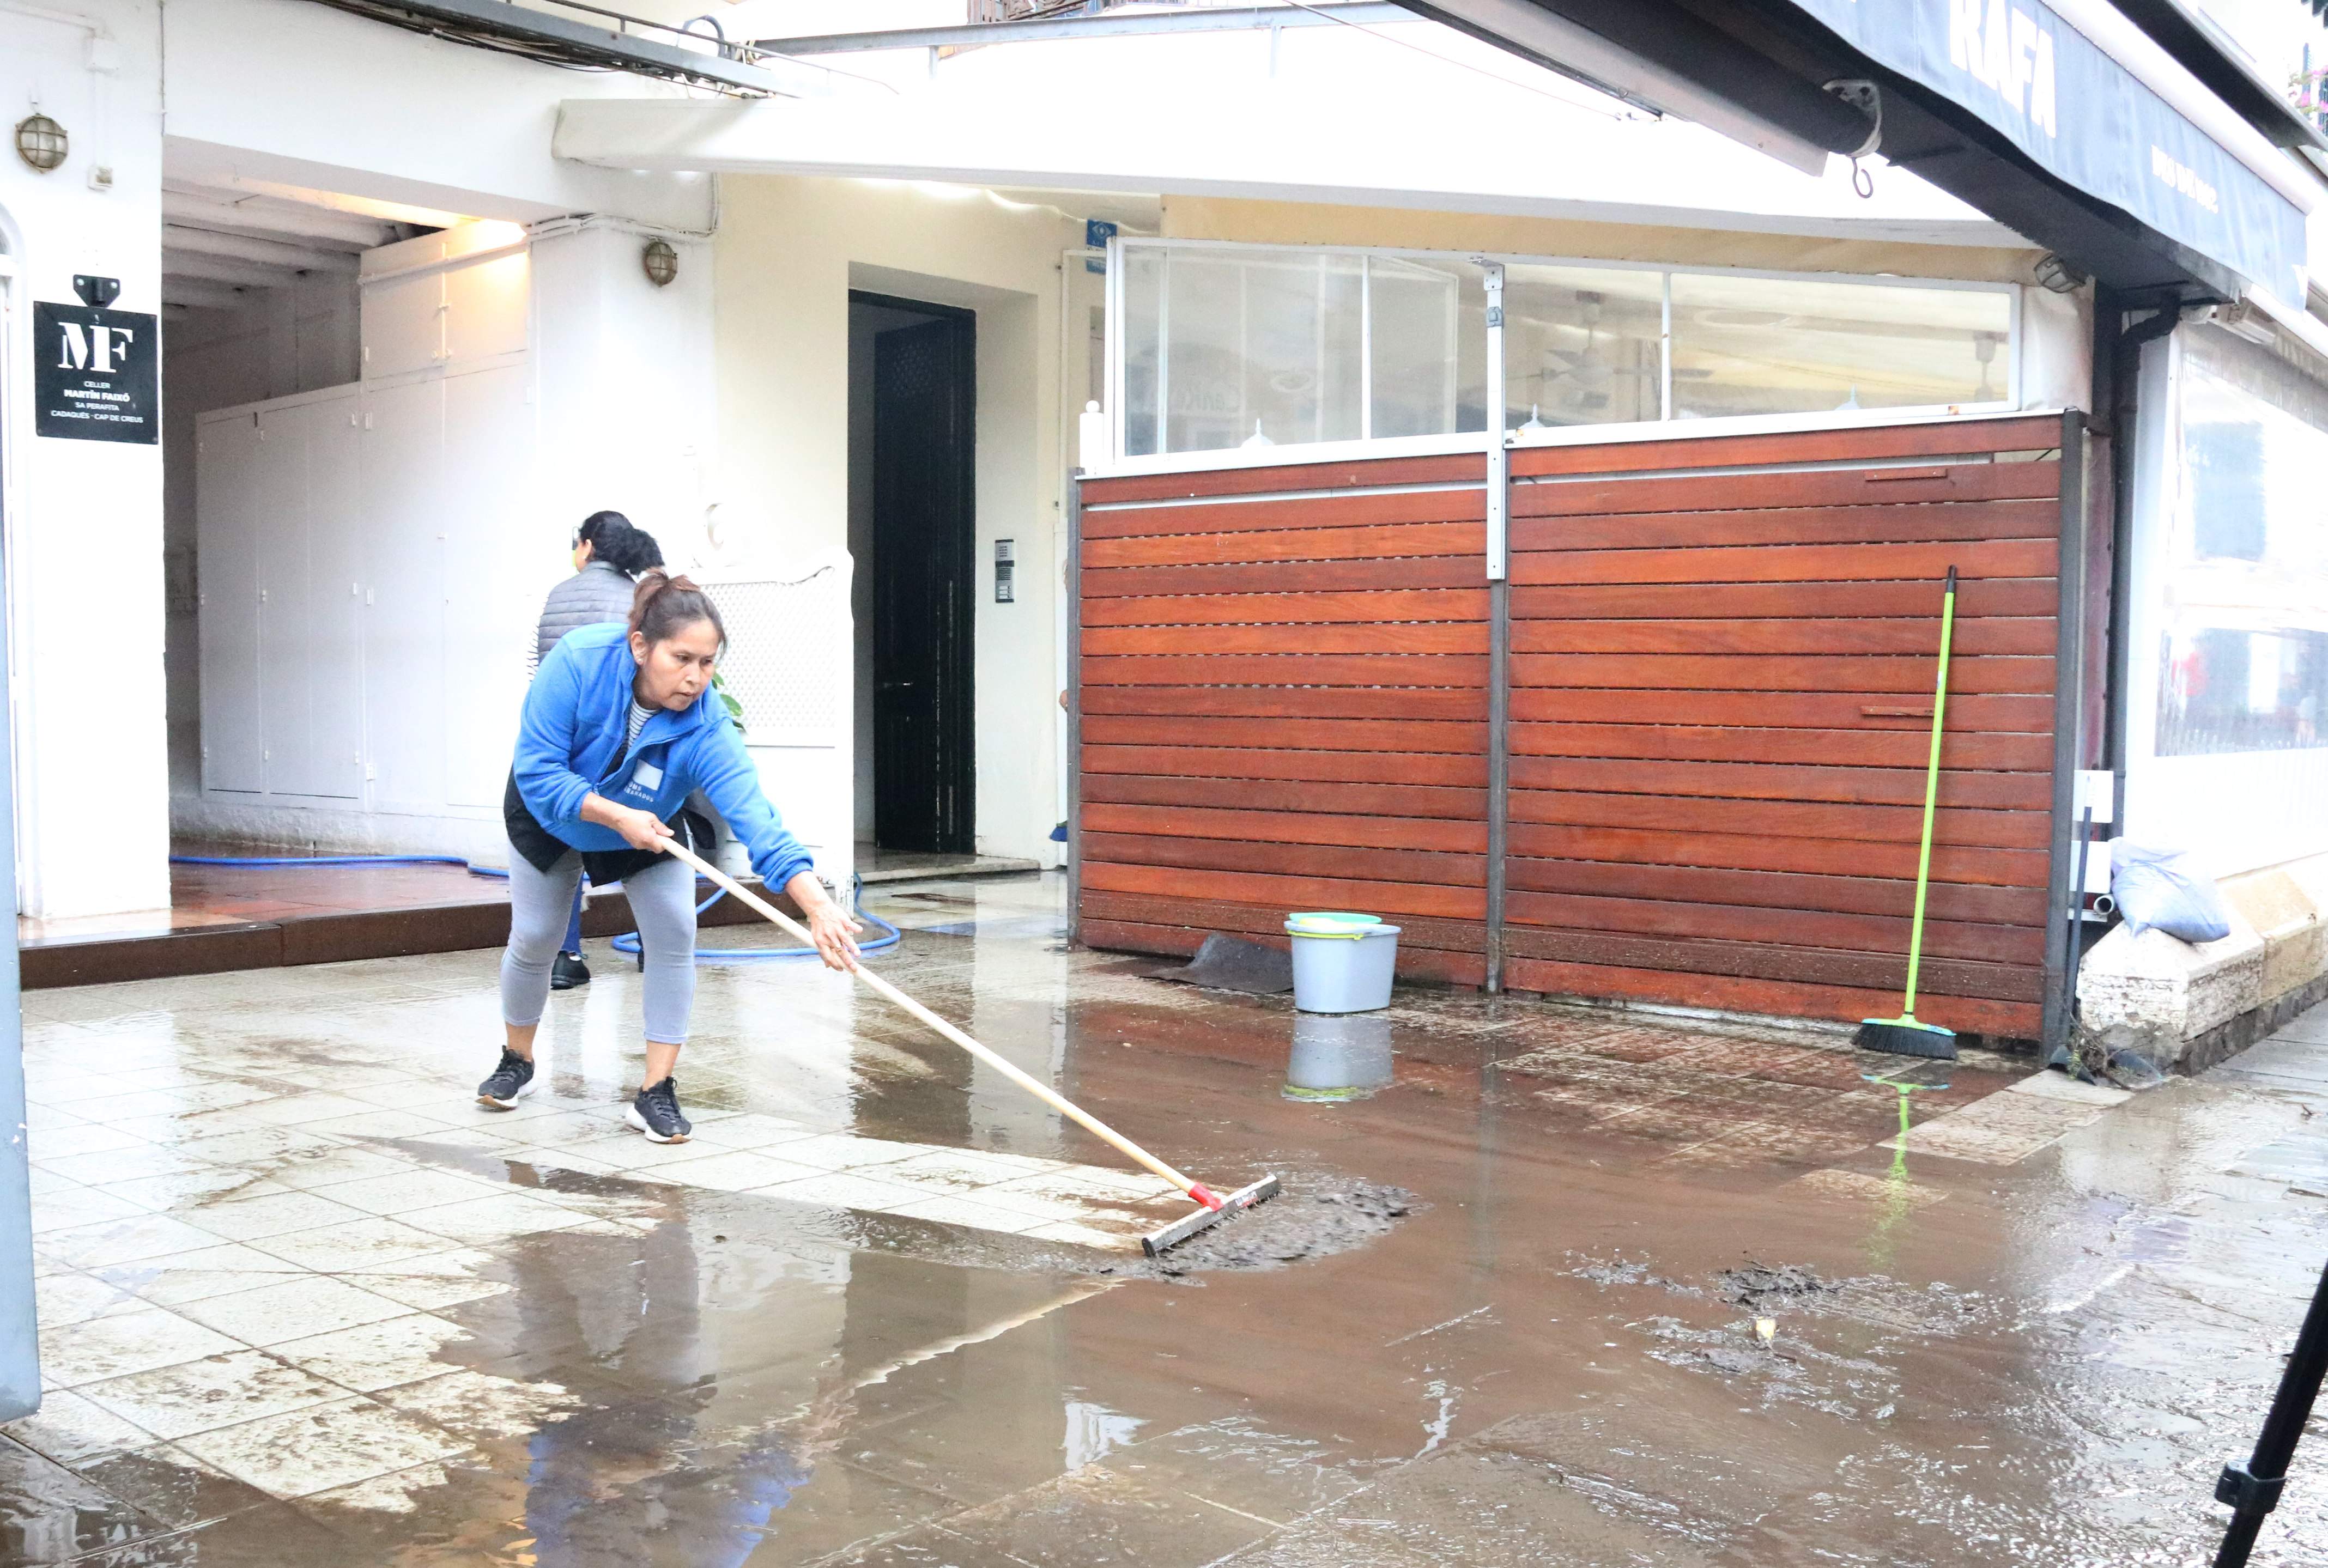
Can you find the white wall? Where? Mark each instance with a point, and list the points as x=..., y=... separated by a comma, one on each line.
x=512, y=385
x=788, y=252
x=289, y=92
x=627, y=404
x=84, y=518
x=2057, y=348
x=294, y=339
x=366, y=599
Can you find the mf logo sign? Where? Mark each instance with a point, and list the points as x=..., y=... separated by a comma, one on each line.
x=94, y=374
x=101, y=349
x=2009, y=51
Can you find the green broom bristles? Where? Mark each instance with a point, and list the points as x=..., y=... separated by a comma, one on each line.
x=1906, y=1036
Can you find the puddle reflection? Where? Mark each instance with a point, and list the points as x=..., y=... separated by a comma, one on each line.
x=1338, y=1056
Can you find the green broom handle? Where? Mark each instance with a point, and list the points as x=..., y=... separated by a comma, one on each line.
x=1931, y=789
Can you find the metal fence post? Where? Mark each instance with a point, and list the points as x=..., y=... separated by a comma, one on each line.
x=1499, y=632
x=1074, y=674
x=2066, y=901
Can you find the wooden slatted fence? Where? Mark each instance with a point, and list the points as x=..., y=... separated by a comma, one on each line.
x=1283, y=705
x=1722, y=655
x=1721, y=670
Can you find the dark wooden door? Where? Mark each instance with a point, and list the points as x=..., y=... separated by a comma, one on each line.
x=924, y=541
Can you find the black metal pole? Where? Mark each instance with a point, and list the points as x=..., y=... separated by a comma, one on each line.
x=2252, y=1489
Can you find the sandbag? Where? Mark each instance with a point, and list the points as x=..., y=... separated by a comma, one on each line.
x=2159, y=890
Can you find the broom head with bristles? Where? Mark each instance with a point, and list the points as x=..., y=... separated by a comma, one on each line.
x=1906, y=1036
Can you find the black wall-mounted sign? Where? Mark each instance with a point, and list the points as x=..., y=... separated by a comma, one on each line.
x=96, y=373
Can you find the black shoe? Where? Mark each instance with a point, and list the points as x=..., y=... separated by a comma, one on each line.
x=568, y=972
x=655, y=1113
x=511, y=1082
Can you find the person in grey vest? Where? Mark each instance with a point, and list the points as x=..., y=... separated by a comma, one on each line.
x=609, y=553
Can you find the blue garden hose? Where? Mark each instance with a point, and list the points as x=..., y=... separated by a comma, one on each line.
x=337, y=861
x=628, y=943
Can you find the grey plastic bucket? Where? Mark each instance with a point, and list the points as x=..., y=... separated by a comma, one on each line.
x=1341, y=966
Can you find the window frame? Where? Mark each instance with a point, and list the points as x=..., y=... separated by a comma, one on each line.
x=1664, y=428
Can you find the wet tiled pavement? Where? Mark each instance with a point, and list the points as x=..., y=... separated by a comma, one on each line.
x=304, y=1301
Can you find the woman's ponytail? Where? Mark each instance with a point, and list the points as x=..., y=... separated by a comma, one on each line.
x=665, y=603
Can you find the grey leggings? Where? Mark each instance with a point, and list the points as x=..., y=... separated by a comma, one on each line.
x=662, y=901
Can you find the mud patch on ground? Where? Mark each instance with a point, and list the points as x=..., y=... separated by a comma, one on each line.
x=1314, y=1217
x=1757, y=1285
x=1876, y=1301
x=1790, y=1369
x=1622, y=1271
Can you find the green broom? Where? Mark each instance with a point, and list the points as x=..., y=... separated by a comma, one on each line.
x=1906, y=1035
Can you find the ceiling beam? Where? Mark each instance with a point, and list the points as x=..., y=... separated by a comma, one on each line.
x=203, y=295
x=263, y=216
x=224, y=269
x=200, y=241
x=1117, y=24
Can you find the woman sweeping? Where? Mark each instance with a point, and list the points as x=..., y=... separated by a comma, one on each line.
x=618, y=727
x=609, y=553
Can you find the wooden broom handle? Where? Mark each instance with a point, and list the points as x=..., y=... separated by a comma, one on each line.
x=1033, y=1086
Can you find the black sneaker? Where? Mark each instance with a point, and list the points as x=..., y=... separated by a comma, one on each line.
x=655, y=1113
x=568, y=972
x=511, y=1082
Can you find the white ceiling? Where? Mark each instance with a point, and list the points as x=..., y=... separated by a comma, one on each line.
x=224, y=245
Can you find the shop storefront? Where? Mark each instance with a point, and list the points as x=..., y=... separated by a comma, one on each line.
x=1631, y=703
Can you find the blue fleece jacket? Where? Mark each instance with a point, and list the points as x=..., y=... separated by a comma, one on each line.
x=571, y=739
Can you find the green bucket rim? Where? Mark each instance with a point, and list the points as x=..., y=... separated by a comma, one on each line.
x=1341, y=930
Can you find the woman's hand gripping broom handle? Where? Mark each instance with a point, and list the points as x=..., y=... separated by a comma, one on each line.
x=1041, y=1091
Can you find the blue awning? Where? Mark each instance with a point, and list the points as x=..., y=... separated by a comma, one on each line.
x=2085, y=118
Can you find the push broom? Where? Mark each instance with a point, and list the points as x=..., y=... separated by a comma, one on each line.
x=1213, y=1208
x=1907, y=1035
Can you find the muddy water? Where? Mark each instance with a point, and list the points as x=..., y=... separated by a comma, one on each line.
x=1480, y=1327
x=1504, y=1313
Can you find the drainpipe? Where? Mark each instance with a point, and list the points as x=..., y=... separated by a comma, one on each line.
x=2119, y=347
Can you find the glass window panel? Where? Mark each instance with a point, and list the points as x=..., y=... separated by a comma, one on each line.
x=1581, y=345
x=2224, y=688
x=1429, y=328
x=2243, y=655
x=1761, y=345
x=1143, y=293
x=1237, y=347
